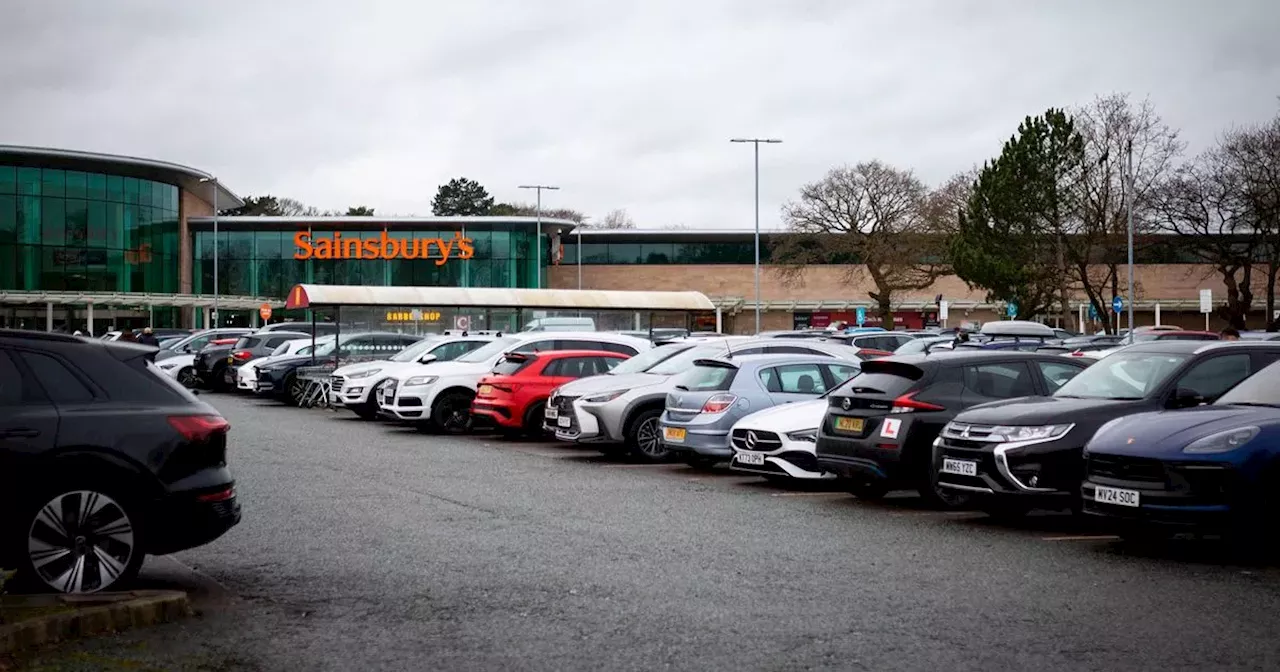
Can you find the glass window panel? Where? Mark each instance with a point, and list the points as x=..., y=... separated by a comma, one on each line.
x=171, y=198
x=500, y=242
x=8, y=219
x=131, y=190
x=77, y=222
x=156, y=195
x=53, y=221
x=29, y=225
x=29, y=181
x=130, y=240
x=481, y=272
x=142, y=239
x=239, y=245
x=96, y=186
x=270, y=245
x=10, y=277
x=53, y=182
x=115, y=226
x=657, y=253
x=8, y=180
x=570, y=252
x=482, y=243
x=77, y=184
x=595, y=253
x=115, y=188
x=401, y=272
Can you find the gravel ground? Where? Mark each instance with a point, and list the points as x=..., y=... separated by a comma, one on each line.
x=367, y=546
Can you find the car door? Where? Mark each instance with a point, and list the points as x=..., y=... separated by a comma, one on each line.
x=991, y=381
x=28, y=421
x=1055, y=374
x=837, y=373
x=1209, y=378
x=793, y=382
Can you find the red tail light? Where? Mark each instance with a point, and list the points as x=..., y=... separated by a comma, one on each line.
x=220, y=496
x=242, y=354
x=871, y=353
x=719, y=403
x=908, y=404
x=197, y=428
x=1078, y=353
x=508, y=388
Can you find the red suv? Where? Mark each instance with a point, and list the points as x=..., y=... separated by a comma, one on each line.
x=514, y=395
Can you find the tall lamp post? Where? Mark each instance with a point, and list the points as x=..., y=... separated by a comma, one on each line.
x=578, y=230
x=214, y=182
x=756, y=142
x=1128, y=206
x=538, y=240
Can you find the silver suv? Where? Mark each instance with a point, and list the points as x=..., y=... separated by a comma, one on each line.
x=619, y=411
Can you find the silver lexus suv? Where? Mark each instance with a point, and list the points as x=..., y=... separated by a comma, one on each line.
x=619, y=411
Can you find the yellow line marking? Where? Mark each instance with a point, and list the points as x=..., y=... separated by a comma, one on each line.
x=1083, y=537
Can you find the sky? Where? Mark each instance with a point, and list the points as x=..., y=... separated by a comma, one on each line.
x=622, y=105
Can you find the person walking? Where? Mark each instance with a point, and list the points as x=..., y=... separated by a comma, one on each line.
x=127, y=335
x=148, y=338
x=1229, y=334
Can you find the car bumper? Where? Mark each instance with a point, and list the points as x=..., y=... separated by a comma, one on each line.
x=408, y=406
x=183, y=520
x=699, y=440
x=792, y=460
x=502, y=412
x=582, y=425
x=353, y=393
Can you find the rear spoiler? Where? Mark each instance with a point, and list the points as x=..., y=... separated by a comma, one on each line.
x=719, y=363
x=514, y=356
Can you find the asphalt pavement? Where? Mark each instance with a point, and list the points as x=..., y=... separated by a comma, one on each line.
x=366, y=546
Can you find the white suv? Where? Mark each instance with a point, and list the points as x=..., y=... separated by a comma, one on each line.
x=440, y=393
x=352, y=385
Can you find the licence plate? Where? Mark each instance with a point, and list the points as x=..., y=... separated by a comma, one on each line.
x=1116, y=496
x=564, y=422
x=849, y=424
x=231, y=360
x=750, y=458
x=485, y=390
x=552, y=413
x=673, y=434
x=959, y=467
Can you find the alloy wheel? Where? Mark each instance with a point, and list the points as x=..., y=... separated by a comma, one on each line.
x=647, y=440
x=81, y=542
x=187, y=376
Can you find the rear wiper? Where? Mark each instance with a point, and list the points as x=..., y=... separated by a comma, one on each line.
x=1252, y=403
x=682, y=387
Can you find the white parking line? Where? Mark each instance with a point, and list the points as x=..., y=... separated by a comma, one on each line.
x=810, y=494
x=1083, y=537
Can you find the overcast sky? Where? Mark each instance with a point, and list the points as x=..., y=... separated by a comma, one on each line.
x=622, y=105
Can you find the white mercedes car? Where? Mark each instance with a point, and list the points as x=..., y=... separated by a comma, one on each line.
x=180, y=368
x=780, y=442
x=352, y=385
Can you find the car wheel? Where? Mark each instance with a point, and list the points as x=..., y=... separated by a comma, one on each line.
x=452, y=412
x=187, y=377
x=645, y=436
x=533, y=420
x=868, y=490
x=366, y=411
x=295, y=390
x=79, y=540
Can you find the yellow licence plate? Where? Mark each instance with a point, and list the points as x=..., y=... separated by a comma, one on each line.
x=673, y=434
x=486, y=390
x=849, y=424
x=231, y=360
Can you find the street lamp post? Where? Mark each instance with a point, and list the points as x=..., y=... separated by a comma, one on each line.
x=756, y=142
x=538, y=240
x=1129, y=216
x=214, y=182
x=578, y=230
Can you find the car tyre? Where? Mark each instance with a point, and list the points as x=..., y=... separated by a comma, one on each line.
x=59, y=549
x=187, y=377
x=644, y=436
x=869, y=490
x=294, y=389
x=451, y=413
x=533, y=420
x=366, y=411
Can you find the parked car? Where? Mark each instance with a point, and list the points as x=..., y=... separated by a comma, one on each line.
x=514, y=394
x=102, y=461
x=561, y=324
x=247, y=373
x=880, y=427
x=210, y=363
x=1027, y=453
x=778, y=442
x=886, y=342
x=309, y=328
x=279, y=379
x=620, y=412
x=182, y=369
x=245, y=349
x=1175, y=335
x=438, y=395
x=1212, y=468
x=353, y=384
x=194, y=343
x=709, y=399
x=922, y=345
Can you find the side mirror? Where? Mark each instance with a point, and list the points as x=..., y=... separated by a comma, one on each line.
x=427, y=358
x=1185, y=398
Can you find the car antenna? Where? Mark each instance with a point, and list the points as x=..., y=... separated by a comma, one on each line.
x=728, y=349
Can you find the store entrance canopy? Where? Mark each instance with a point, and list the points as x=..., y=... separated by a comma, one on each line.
x=315, y=296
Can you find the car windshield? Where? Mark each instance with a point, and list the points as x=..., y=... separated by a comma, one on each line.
x=1122, y=375
x=684, y=360
x=1260, y=389
x=487, y=352
x=649, y=358
x=416, y=350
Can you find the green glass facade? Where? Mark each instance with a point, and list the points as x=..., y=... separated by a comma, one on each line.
x=262, y=263
x=83, y=231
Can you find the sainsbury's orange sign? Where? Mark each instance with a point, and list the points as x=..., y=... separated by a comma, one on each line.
x=383, y=247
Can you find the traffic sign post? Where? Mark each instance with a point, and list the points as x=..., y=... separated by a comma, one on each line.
x=860, y=316
x=1117, y=304
x=1093, y=312
x=1011, y=309
x=462, y=322
x=943, y=308
x=264, y=311
x=1206, y=305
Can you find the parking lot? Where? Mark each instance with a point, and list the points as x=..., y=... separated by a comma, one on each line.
x=369, y=546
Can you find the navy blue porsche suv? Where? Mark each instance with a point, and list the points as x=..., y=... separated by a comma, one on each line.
x=102, y=460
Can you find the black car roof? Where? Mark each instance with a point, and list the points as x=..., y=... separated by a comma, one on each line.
x=963, y=356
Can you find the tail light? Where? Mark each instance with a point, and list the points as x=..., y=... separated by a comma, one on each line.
x=871, y=353
x=907, y=403
x=242, y=355
x=196, y=428
x=719, y=403
x=508, y=388
x=1078, y=353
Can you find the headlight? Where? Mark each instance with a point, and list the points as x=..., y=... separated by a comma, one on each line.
x=420, y=380
x=810, y=435
x=1010, y=434
x=363, y=374
x=168, y=365
x=1222, y=441
x=601, y=398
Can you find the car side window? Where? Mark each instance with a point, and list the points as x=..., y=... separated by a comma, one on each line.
x=10, y=382
x=1210, y=378
x=841, y=372
x=448, y=352
x=754, y=350
x=791, y=350
x=619, y=348
x=59, y=383
x=1056, y=375
x=800, y=379
x=999, y=381
x=198, y=344
x=606, y=364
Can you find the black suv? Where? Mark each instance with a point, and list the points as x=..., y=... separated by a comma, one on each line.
x=103, y=459
x=1024, y=454
x=880, y=426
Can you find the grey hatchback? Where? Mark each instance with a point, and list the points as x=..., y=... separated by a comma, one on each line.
x=716, y=393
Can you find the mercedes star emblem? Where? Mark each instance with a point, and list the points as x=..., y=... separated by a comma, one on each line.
x=751, y=440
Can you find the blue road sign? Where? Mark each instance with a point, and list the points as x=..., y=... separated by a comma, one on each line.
x=861, y=316
x=1093, y=312
x=1012, y=309
x=1117, y=304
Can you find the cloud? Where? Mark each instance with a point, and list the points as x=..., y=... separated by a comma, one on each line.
x=628, y=105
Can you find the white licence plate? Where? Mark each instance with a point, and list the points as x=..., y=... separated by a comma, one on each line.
x=750, y=458
x=959, y=467
x=564, y=422
x=552, y=413
x=1116, y=496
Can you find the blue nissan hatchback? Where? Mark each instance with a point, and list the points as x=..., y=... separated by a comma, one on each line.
x=1212, y=468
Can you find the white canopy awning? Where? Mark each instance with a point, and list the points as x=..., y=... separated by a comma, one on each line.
x=306, y=296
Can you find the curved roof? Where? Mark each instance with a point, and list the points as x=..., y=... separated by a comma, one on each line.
x=130, y=166
x=303, y=296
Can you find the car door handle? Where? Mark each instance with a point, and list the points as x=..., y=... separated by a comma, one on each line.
x=19, y=433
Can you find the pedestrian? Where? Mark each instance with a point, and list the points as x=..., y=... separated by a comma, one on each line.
x=1229, y=334
x=148, y=338
x=127, y=335
x=962, y=336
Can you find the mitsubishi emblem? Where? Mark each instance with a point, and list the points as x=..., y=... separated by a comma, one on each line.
x=846, y=403
x=965, y=433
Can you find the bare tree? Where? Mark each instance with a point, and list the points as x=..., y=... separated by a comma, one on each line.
x=616, y=219
x=870, y=216
x=531, y=210
x=1252, y=156
x=292, y=207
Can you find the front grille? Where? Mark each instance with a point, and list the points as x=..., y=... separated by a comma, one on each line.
x=1124, y=468
x=764, y=441
x=963, y=433
x=336, y=382
x=564, y=408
